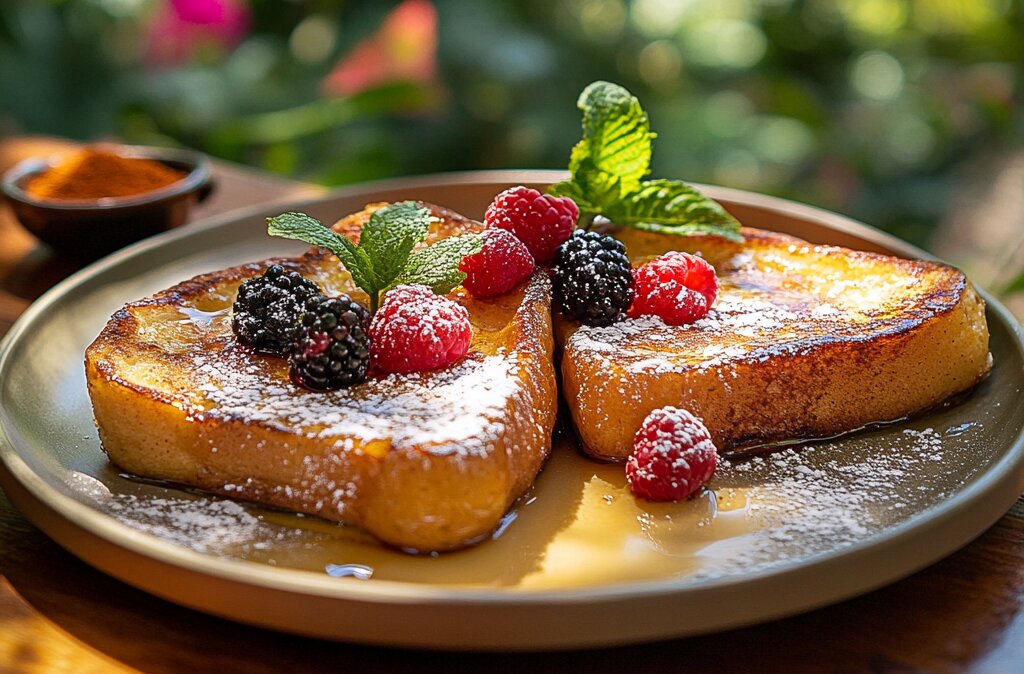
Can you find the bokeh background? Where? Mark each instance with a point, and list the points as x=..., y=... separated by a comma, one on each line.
x=905, y=114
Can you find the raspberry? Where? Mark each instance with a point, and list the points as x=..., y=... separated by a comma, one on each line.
x=678, y=287
x=591, y=279
x=540, y=221
x=673, y=456
x=502, y=264
x=414, y=330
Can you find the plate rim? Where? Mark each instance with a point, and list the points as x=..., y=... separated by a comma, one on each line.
x=96, y=523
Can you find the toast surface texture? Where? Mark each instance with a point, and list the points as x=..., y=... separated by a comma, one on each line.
x=803, y=341
x=428, y=461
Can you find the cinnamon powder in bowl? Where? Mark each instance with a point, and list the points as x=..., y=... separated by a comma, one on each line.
x=97, y=174
x=105, y=197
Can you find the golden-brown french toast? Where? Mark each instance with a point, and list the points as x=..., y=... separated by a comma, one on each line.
x=803, y=341
x=428, y=461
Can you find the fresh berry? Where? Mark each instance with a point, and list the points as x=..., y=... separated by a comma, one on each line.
x=414, y=330
x=592, y=279
x=540, y=221
x=332, y=349
x=678, y=287
x=673, y=456
x=503, y=263
x=266, y=312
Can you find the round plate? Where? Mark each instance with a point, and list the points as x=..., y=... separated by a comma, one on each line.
x=578, y=562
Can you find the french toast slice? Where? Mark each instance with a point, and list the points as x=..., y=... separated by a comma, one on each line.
x=427, y=461
x=803, y=342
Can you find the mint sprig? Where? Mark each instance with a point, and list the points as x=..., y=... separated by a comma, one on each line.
x=386, y=254
x=608, y=164
x=437, y=266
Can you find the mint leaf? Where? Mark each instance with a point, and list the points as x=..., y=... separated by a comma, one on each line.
x=576, y=192
x=303, y=227
x=616, y=133
x=389, y=237
x=595, y=190
x=437, y=266
x=615, y=151
x=609, y=163
x=385, y=244
x=666, y=206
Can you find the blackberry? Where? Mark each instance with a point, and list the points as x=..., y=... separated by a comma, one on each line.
x=266, y=312
x=593, y=280
x=332, y=349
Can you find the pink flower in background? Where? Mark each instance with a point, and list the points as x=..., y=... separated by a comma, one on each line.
x=403, y=49
x=200, y=11
x=181, y=27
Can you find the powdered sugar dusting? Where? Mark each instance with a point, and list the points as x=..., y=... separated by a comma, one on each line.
x=450, y=410
x=766, y=308
x=794, y=504
x=806, y=501
x=213, y=526
x=580, y=525
x=741, y=325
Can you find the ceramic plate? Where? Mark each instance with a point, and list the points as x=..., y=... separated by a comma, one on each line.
x=578, y=562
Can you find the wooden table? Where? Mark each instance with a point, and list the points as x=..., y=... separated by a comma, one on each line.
x=965, y=613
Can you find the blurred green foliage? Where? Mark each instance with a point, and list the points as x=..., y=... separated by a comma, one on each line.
x=874, y=108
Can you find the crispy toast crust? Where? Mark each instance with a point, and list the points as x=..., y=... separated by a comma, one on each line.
x=804, y=342
x=429, y=461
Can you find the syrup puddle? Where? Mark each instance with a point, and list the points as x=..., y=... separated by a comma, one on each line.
x=954, y=431
x=358, y=571
x=199, y=317
x=580, y=526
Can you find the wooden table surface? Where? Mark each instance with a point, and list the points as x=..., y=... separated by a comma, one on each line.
x=965, y=613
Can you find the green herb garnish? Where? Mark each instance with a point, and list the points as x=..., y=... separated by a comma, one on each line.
x=437, y=265
x=385, y=255
x=610, y=162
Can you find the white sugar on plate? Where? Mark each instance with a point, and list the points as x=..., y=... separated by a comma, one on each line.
x=810, y=500
x=770, y=510
x=204, y=525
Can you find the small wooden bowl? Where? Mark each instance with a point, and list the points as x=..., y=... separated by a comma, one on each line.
x=90, y=228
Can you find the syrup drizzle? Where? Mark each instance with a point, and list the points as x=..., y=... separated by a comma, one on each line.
x=199, y=317
x=358, y=571
x=580, y=526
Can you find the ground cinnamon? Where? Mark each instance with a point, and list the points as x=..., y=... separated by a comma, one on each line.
x=94, y=173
